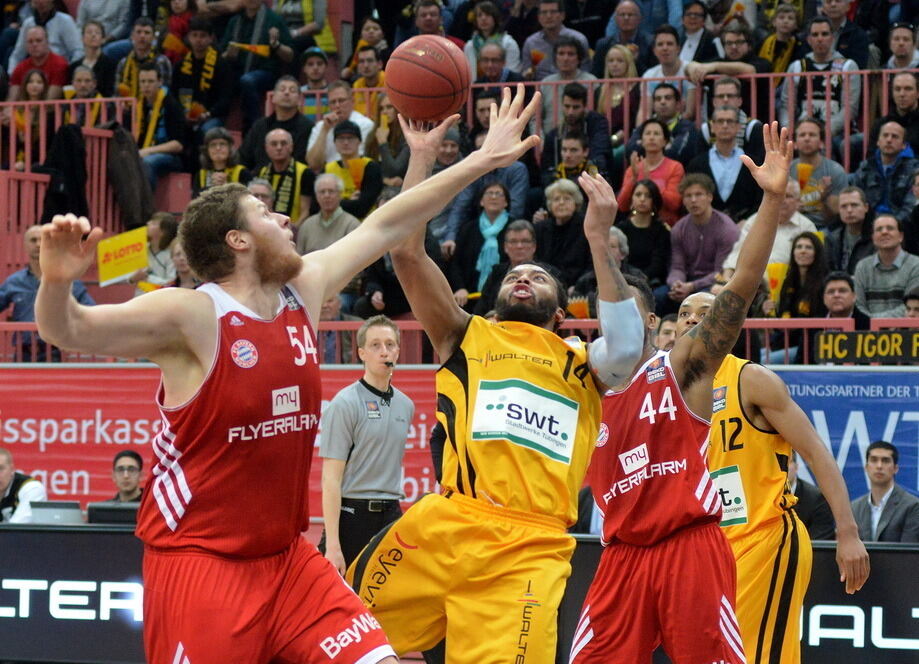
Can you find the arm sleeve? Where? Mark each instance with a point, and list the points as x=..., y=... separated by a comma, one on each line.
x=337, y=424
x=671, y=191
x=911, y=524
x=615, y=354
x=628, y=186
x=859, y=279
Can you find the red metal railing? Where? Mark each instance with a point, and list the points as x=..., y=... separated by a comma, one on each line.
x=416, y=350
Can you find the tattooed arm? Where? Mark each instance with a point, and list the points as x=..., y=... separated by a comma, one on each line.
x=698, y=354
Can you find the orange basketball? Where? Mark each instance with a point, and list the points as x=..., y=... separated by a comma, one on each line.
x=427, y=78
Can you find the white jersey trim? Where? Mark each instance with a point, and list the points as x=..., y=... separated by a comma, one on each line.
x=378, y=654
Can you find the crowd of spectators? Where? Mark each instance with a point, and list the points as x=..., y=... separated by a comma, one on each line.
x=661, y=98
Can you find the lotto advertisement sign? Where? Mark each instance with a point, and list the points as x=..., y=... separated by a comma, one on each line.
x=64, y=425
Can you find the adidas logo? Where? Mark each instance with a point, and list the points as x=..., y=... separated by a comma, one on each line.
x=235, y=320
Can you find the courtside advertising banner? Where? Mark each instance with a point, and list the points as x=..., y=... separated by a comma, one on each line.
x=64, y=425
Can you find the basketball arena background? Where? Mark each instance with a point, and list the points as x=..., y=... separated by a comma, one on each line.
x=82, y=585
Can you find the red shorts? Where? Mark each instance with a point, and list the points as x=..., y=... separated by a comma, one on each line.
x=290, y=607
x=679, y=592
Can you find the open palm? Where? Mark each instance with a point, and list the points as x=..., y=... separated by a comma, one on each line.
x=772, y=176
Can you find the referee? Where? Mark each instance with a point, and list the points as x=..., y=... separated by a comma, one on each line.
x=362, y=444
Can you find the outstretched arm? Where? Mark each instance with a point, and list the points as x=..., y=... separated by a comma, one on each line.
x=425, y=286
x=770, y=395
x=328, y=271
x=615, y=354
x=705, y=346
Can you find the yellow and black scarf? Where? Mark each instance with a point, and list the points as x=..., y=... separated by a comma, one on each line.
x=129, y=85
x=207, y=71
x=780, y=59
x=148, y=124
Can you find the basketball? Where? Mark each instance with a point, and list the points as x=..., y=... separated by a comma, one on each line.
x=427, y=78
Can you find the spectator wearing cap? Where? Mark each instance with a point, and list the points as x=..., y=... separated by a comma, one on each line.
x=286, y=102
x=362, y=176
x=291, y=180
x=257, y=43
x=40, y=57
x=902, y=44
x=60, y=28
x=315, y=91
x=219, y=162
x=321, y=148
x=202, y=80
x=370, y=68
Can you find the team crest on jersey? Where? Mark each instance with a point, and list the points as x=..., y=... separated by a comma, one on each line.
x=244, y=353
x=719, y=398
x=603, y=436
x=373, y=409
x=656, y=371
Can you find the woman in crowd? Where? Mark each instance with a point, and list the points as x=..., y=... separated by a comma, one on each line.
x=371, y=35
x=665, y=172
x=648, y=237
x=26, y=122
x=219, y=162
x=801, y=294
x=479, y=244
x=487, y=31
x=102, y=65
x=185, y=278
x=560, y=240
x=162, y=229
x=387, y=145
x=614, y=96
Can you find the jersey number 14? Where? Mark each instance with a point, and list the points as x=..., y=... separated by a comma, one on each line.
x=665, y=407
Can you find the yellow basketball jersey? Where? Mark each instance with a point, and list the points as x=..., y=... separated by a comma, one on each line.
x=521, y=414
x=748, y=465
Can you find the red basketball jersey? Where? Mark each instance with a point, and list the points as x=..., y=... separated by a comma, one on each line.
x=232, y=463
x=649, y=474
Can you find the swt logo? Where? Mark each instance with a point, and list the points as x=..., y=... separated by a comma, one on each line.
x=634, y=459
x=285, y=400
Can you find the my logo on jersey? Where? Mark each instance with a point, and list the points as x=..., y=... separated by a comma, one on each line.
x=719, y=398
x=373, y=409
x=285, y=400
x=656, y=371
x=244, y=353
x=527, y=415
x=634, y=459
x=603, y=435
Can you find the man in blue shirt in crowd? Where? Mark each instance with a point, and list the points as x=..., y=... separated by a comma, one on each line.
x=20, y=289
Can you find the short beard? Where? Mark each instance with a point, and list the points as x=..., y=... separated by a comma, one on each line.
x=278, y=268
x=539, y=314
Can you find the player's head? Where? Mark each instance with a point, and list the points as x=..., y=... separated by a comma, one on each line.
x=126, y=471
x=692, y=310
x=227, y=228
x=530, y=293
x=644, y=297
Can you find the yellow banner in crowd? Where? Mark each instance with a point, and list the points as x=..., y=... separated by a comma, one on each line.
x=122, y=255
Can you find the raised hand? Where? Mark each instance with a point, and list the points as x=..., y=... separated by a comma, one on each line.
x=65, y=255
x=502, y=143
x=422, y=139
x=772, y=176
x=601, y=207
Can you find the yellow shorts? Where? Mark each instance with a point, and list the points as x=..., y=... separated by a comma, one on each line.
x=488, y=579
x=773, y=570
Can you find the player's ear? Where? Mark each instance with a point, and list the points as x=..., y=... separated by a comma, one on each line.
x=652, y=321
x=237, y=239
x=560, y=315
